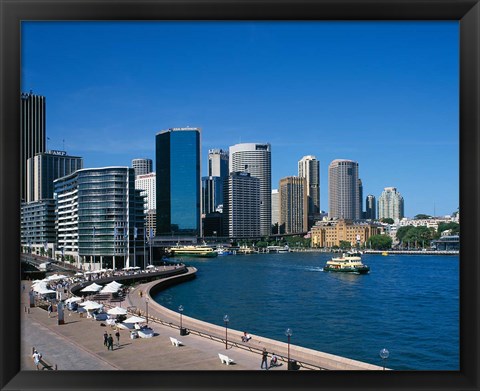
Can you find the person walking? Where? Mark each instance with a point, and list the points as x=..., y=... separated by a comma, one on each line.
x=110, y=342
x=264, y=358
x=49, y=309
x=105, y=339
x=36, y=358
x=117, y=335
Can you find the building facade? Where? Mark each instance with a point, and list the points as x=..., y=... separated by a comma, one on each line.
x=330, y=233
x=241, y=206
x=32, y=133
x=147, y=184
x=255, y=159
x=309, y=168
x=44, y=168
x=370, y=207
x=100, y=217
x=343, y=190
x=178, y=171
x=212, y=194
x=37, y=222
x=390, y=204
x=218, y=163
x=293, y=204
x=276, y=210
x=142, y=166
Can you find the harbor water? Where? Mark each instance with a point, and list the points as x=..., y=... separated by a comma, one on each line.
x=408, y=304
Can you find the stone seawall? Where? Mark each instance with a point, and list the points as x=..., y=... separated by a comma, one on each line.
x=307, y=358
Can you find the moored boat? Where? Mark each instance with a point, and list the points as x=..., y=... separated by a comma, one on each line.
x=194, y=251
x=346, y=264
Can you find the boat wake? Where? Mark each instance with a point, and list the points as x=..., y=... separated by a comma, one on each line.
x=314, y=269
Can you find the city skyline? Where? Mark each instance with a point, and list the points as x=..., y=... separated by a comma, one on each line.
x=382, y=94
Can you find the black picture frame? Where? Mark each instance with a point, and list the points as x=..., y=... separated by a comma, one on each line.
x=468, y=15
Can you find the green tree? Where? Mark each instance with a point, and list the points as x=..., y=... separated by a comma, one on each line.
x=344, y=245
x=402, y=231
x=455, y=227
x=387, y=220
x=422, y=217
x=380, y=242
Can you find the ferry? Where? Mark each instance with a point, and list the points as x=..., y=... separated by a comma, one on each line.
x=194, y=251
x=346, y=264
x=278, y=249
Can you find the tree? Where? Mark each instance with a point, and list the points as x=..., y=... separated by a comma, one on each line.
x=345, y=245
x=387, y=220
x=422, y=217
x=402, y=231
x=454, y=227
x=380, y=242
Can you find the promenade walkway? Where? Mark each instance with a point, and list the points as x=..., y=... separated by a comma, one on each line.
x=78, y=344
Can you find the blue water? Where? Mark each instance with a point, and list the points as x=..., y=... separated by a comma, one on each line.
x=407, y=304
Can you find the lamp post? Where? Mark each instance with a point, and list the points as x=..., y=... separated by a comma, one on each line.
x=288, y=333
x=384, y=353
x=146, y=307
x=226, y=319
x=182, y=330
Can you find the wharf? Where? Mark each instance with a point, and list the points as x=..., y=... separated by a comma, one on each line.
x=78, y=344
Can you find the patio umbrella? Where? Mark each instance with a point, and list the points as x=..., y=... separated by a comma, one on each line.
x=56, y=277
x=134, y=319
x=93, y=306
x=86, y=303
x=78, y=274
x=44, y=291
x=150, y=267
x=73, y=299
x=117, y=311
x=92, y=288
x=114, y=284
x=110, y=289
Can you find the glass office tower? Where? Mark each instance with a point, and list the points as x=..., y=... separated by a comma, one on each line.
x=177, y=155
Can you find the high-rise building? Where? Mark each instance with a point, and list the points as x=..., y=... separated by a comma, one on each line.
x=100, y=217
x=38, y=225
x=32, y=133
x=178, y=182
x=212, y=194
x=255, y=159
x=241, y=205
x=44, y=168
x=360, y=198
x=343, y=189
x=370, y=207
x=309, y=168
x=276, y=210
x=218, y=163
x=142, y=166
x=293, y=204
x=146, y=183
x=390, y=204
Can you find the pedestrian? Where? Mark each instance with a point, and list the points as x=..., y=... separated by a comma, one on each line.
x=264, y=358
x=105, y=339
x=49, y=309
x=117, y=334
x=273, y=361
x=36, y=358
x=110, y=342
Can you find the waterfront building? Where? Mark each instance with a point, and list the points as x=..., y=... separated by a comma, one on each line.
x=390, y=204
x=309, y=168
x=447, y=243
x=147, y=184
x=276, y=210
x=360, y=199
x=331, y=232
x=32, y=133
x=255, y=158
x=142, y=166
x=241, y=206
x=343, y=190
x=212, y=194
x=44, y=168
x=178, y=171
x=218, y=163
x=293, y=204
x=100, y=217
x=370, y=207
x=37, y=222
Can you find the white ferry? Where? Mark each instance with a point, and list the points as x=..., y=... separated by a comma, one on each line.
x=346, y=264
x=194, y=251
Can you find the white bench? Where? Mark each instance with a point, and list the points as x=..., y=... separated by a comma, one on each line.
x=225, y=359
x=175, y=342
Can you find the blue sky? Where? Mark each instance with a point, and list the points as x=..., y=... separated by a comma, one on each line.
x=384, y=94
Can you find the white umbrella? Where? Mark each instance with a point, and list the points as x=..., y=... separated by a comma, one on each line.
x=136, y=267
x=92, y=288
x=44, y=291
x=73, y=299
x=87, y=303
x=79, y=274
x=115, y=284
x=117, y=311
x=110, y=289
x=150, y=267
x=93, y=306
x=56, y=277
x=40, y=286
x=134, y=319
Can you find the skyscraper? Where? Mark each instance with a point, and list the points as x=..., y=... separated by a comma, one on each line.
x=177, y=154
x=276, y=209
x=370, y=207
x=44, y=168
x=146, y=183
x=309, y=168
x=255, y=158
x=390, y=204
x=218, y=163
x=241, y=205
x=142, y=166
x=32, y=133
x=293, y=204
x=343, y=190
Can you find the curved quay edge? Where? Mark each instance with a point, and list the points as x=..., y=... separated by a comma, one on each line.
x=312, y=359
